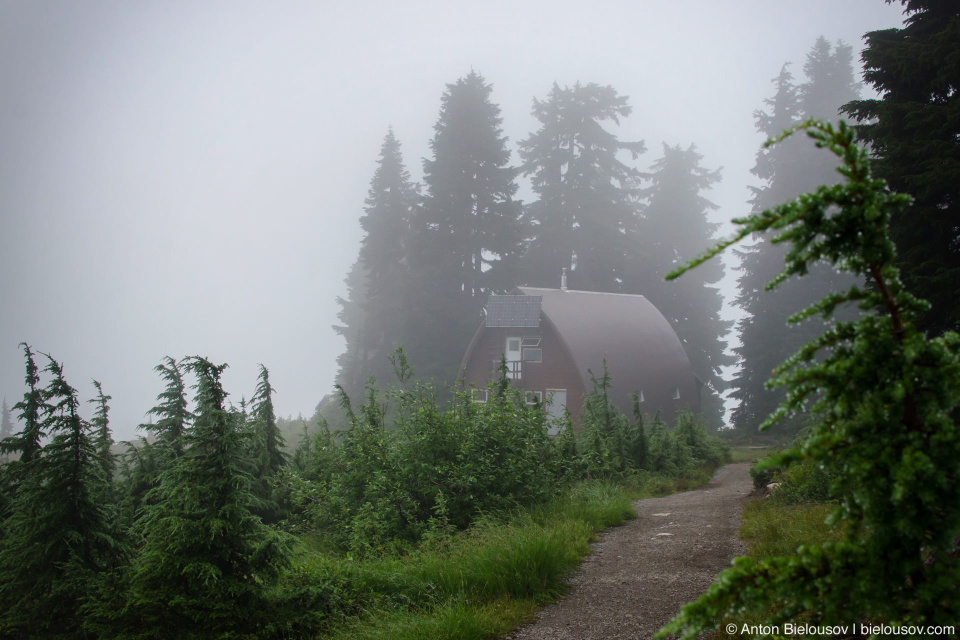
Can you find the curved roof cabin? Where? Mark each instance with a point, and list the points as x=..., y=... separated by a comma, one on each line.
x=552, y=337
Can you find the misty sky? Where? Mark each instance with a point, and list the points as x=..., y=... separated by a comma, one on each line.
x=181, y=178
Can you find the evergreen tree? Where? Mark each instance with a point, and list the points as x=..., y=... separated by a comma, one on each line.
x=914, y=133
x=585, y=206
x=274, y=458
x=32, y=409
x=173, y=417
x=59, y=535
x=207, y=563
x=674, y=225
x=466, y=236
x=888, y=397
x=100, y=424
x=787, y=170
x=373, y=312
x=353, y=362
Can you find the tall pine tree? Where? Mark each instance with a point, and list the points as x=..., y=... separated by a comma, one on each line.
x=787, y=170
x=467, y=236
x=585, y=206
x=914, y=135
x=674, y=226
x=373, y=313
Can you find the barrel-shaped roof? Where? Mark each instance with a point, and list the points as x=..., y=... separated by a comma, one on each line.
x=642, y=350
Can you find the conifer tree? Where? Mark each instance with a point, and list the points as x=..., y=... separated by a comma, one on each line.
x=913, y=130
x=32, y=408
x=352, y=363
x=787, y=170
x=100, y=424
x=374, y=310
x=466, y=236
x=887, y=397
x=59, y=535
x=173, y=417
x=585, y=205
x=207, y=562
x=265, y=420
x=673, y=225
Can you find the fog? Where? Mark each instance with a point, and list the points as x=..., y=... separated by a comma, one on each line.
x=181, y=178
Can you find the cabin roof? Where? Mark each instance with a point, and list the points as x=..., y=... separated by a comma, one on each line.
x=641, y=348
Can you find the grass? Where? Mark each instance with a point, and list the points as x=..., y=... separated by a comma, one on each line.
x=771, y=528
x=483, y=582
x=748, y=454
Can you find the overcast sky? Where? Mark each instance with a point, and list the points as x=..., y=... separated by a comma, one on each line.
x=181, y=178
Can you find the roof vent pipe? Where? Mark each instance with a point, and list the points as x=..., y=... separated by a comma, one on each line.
x=563, y=279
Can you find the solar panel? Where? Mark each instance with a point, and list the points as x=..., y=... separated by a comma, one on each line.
x=513, y=311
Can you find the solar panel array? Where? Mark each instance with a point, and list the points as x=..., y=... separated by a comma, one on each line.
x=513, y=311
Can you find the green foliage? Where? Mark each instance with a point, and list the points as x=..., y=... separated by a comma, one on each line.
x=32, y=408
x=585, y=193
x=887, y=396
x=207, y=564
x=613, y=446
x=59, y=535
x=913, y=130
x=384, y=485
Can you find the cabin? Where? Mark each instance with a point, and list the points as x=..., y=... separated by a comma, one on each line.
x=552, y=338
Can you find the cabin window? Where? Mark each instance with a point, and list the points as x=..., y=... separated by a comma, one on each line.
x=479, y=395
x=533, y=397
x=676, y=393
x=532, y=355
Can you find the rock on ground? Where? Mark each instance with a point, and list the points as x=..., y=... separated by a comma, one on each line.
x=640, y=574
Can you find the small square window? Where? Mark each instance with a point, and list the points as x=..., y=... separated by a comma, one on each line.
x=513, y=344
x=532, y=355
x=479, y=395
x=533, y=397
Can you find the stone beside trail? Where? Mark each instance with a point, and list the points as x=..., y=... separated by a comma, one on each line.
x=640, y=574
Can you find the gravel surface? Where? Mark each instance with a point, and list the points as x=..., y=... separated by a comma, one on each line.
x=640, y=574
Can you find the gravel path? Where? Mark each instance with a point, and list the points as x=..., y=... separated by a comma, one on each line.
x=640, y=574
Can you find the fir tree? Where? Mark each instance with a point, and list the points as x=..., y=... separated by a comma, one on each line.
x=266, y=425
x=100, y=424
x=32, y=409
x=466, y=236
x=207, y=563
x=173, y=417
x=585, y=204
x=913, y=130
x=674, y=224
x=887, y=397
x=59, y=535
x=787, y=170
x=373, y=312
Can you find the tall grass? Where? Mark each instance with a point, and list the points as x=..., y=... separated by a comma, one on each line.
x=478, y=583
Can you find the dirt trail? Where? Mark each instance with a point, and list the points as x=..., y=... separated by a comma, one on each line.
x=640, y=574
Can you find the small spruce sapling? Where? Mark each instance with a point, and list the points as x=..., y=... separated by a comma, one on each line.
x=887, y=395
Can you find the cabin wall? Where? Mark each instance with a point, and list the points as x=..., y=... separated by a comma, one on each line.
x=556, y=371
